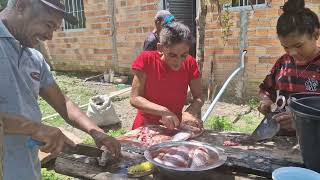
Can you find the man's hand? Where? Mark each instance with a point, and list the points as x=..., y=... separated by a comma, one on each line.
x=190, y=122
x=53, y=138
x=265, y=106
x=285, y=120
x=104, y=141
x=170, y=120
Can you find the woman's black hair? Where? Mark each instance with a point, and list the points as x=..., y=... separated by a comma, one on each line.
x=174, y=33
x=297, y=19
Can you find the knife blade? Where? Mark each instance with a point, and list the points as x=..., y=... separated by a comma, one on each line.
x=81, y=149
x=267, y=128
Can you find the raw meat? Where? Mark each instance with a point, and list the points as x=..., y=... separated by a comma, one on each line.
x=200, y=157
x=231, y=143
x=184, y=157
x=149, y=136
x=155, y=134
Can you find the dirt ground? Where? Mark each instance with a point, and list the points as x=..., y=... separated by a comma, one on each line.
x=127, y=113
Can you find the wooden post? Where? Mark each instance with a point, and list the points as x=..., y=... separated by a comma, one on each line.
x=201, y=24
x=1, y=148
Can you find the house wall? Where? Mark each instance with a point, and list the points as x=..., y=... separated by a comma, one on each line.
x=262, y=45
x=91, y=49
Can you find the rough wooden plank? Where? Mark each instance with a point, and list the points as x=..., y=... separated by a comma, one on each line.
x=76, y=166
x=85, y=167
x=259, y=159
x=221, y=173
x=1, y=148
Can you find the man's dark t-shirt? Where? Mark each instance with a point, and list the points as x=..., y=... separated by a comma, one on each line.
x=150, y=44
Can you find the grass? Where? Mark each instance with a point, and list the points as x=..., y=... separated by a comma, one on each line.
x=113, y=133
x=246, y=124
x=55, y=121
x=52, y=175
x=73, y=86
x=117, y=133
x=253, y=103
x=219, y=123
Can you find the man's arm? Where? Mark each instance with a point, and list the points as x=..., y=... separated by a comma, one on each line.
x=75, y=117
x=53, y=138
x=18, y=125
x=67, y=109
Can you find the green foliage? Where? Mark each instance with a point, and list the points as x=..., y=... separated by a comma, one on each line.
x=3, y=4
x=89, y=140
x=116, y=133
x=247, y=123
x=51, y=175
x=55, y=121
x=225, y=17
x=253, y=103
x=113, y=133
x=226, y=25
x=219, y=123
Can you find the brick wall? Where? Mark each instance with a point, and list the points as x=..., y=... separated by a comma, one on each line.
x=262, y=45
x=135, y=20
x=91, y=49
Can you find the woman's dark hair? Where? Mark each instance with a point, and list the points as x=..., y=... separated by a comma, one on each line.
x=297, y=19
x=174, y=33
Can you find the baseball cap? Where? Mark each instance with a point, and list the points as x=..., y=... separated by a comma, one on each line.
x=162, y=14
x=58, y=6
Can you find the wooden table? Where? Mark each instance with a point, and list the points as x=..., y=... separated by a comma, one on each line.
x=256, y=161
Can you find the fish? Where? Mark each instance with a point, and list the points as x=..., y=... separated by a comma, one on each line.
x=183, y=157
x=200, y=157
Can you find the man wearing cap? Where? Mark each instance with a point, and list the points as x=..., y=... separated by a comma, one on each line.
x=24, y=76
x=161, y=18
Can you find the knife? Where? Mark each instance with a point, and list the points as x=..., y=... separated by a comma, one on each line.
x=82, y=149
x=267, y=128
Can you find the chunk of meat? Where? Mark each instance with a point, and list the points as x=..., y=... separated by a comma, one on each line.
x=150, y=135
x=231, y=143
x=185, y=157
x=175, y=157
x=200, y=157
x=156, y=134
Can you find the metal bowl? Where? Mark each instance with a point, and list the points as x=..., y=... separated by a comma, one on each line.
x=178, y=171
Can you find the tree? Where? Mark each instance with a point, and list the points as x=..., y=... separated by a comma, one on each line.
x=201, y=25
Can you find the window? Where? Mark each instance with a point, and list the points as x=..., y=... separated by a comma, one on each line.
x=76, y=8
x=246, y=3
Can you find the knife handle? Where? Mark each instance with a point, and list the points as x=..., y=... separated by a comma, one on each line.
x=31, y=143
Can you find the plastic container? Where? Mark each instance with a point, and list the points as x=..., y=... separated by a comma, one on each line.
x=294, y=173
x=306, y=116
